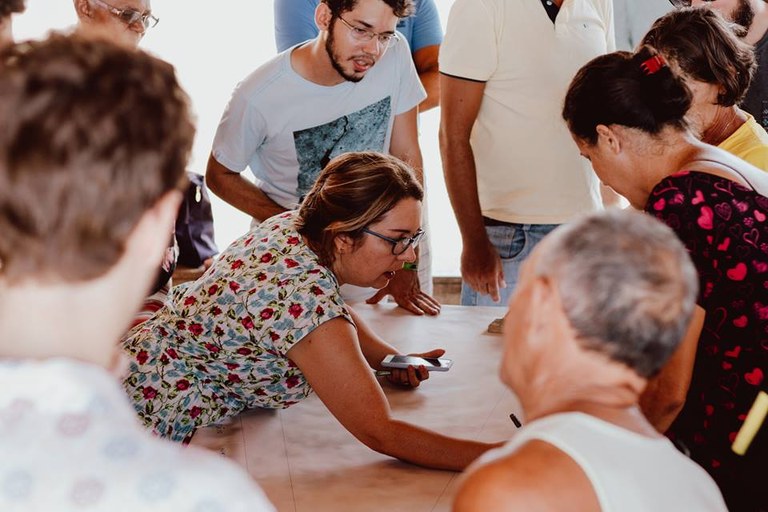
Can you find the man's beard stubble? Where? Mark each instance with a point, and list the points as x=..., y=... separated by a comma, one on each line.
x=329, y=48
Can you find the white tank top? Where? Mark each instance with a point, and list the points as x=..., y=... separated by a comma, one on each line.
x=629, y=472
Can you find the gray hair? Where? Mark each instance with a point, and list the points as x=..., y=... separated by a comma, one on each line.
x=627, y=285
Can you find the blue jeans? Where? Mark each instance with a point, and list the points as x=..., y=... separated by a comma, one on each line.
x=514, y=243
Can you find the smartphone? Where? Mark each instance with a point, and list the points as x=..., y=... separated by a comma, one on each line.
x=432, y=364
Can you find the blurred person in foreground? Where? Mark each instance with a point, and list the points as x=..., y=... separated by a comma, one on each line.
x=94, y=140
x=7, y=9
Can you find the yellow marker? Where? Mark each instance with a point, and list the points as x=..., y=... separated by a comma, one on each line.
x=752, y=424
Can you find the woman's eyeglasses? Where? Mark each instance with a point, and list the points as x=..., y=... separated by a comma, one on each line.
x=399, y=245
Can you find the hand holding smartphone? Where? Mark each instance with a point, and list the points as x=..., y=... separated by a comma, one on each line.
x=432, y=364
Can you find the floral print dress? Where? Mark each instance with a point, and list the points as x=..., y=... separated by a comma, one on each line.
x=219, y=345
x=725, y=229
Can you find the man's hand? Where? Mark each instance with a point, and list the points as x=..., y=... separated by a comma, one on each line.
x=406, y=291
x=482, y=270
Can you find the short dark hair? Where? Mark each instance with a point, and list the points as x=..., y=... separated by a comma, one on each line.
x=91, y=136
x=627, y=285
x=401, y=8
x=353, y=191
x=616, y=89
x=707, y=48
x=8, y=7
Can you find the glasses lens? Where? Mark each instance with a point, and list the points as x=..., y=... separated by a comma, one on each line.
x=361, y=35
x=129, y=17
x=364, y=36
x=403, y=244
x=388, y=40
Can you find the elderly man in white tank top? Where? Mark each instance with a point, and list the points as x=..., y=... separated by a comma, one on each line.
x=600, y=306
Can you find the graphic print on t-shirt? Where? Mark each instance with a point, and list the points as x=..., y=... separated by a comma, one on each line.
x=364, y=130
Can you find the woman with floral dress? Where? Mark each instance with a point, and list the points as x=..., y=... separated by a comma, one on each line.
x=265, y=326
x=626, y=113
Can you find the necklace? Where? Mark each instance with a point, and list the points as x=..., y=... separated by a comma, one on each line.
x=716, y=135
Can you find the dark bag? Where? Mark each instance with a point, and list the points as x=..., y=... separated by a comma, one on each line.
x=194, y=224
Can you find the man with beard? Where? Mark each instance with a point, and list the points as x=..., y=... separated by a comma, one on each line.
x=353, y=88
x=7, y=8
x=295, y=23
x=753, y=16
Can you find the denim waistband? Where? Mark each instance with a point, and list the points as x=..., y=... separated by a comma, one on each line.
x=493, y=222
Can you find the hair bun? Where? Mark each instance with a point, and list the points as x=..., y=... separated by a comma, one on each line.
x=664, y=93
x=635, y=90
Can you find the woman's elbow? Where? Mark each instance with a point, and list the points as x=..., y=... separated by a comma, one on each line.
x=661, y=409
x=381, y=438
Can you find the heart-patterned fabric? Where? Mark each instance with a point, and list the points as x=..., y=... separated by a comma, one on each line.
x=724, y=227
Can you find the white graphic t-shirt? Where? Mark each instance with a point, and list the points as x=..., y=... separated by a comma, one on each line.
x=286, y=128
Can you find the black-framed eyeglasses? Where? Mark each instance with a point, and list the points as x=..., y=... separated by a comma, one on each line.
x=130, y=16
x=399, y=245
x=684, y=3
x=385, y=39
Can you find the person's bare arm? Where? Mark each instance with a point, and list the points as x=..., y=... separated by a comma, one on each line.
x=664, y=397
x=375, y=349
x=239, y=192
x=538, y=477
x=404, y=143
x=425, y=60
x=404, y=287
x=460, y=101
x=372, y=345
x=333, y=364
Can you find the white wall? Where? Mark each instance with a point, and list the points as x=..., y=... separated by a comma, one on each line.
x=214, y=45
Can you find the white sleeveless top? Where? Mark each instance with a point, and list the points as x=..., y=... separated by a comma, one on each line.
x=629, y=472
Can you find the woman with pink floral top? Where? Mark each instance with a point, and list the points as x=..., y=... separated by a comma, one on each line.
x=265, y=326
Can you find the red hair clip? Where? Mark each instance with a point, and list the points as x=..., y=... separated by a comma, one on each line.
x=652, y=65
